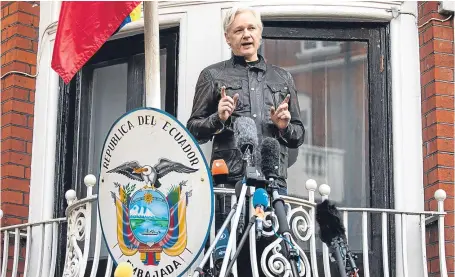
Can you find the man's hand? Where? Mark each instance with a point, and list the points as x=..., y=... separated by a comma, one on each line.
x=227, y=105
x=281, y=117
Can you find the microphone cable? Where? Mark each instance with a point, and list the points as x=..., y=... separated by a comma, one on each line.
x=290, y=244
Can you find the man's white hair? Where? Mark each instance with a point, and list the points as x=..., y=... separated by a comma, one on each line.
x=234, y=11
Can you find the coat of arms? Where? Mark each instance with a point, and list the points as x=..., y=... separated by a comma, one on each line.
x=155, y=194
x=149, y=221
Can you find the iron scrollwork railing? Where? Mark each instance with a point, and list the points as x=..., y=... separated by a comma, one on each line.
x=302, y=227
x=31, y=242
x=79, y=229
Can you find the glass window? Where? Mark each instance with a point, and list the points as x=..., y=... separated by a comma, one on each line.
x=108, y=103
x=332, y=88
x=343, y=97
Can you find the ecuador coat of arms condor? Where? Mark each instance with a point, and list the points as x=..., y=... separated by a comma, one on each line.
x=155, y=194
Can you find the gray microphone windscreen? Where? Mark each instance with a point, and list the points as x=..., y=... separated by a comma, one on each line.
x=245, y=133
x=270, y=155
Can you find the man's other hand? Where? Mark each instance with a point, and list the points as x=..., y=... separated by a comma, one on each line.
x=281, y=117
x=227, y=105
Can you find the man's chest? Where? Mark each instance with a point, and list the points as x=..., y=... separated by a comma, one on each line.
x=258, y=90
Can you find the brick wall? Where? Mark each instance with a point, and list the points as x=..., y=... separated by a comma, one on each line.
x=19, y=39
x=437, y=80
x=19, y=44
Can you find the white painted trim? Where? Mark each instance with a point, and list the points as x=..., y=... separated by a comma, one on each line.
x=368, y=4
x=407, y=128
x=182, y=84
x=324, y=12
x=167, y=20
x=316, y=11
x=42, y=178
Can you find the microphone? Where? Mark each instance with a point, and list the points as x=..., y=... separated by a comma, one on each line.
x=123, y=269
x=245, y=135
x=246, y=140
x=260, y=203
x=270, y=158
x=333, y=234
x=220, y=171
x=270, y=164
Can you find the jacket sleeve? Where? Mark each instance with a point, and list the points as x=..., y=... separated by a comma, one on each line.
x=293, y=136
x=204, y=121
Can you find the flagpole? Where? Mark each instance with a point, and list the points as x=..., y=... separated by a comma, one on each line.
x=152, y=55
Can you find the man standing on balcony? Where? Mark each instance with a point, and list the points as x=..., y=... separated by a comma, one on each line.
x=245, y=85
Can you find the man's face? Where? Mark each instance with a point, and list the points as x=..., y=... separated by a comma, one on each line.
x=244, y=36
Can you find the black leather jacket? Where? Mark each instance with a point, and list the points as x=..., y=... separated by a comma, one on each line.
x=260, y=86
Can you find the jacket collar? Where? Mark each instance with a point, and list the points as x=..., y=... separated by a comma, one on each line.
x=239, y=60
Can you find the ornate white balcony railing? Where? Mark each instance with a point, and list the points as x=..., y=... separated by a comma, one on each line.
x=26, y=260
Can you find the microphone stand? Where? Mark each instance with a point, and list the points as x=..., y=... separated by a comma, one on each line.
x=241, y=243
x=199, y=270
x=233, y=215
x=283, y=227
x=344, y=257
x=334, y=237
x=251, y=179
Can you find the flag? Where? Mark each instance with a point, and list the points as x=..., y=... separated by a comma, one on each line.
x=125, y=237
x=175, y=240
x=135, y=15
x=83, y=27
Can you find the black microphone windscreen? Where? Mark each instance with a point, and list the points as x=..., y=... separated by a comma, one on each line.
x=245, y=133
x=270, y=157
x=329, y=221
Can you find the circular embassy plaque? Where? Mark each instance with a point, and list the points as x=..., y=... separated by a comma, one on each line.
x=155, y=194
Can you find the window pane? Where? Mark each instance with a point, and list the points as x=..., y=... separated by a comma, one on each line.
x=331, y=83
x=108, y=103
x=332, y=88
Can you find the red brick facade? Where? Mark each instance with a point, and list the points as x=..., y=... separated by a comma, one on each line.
x=436, y=40
x=19, y=23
